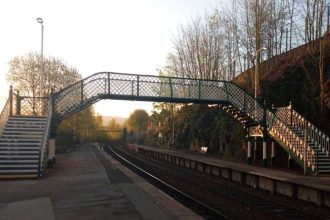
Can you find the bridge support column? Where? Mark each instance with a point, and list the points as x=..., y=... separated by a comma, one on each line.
x=290, y=161
x=264, y=153
x=273, y=154
x=51, y=153
x=249, y=152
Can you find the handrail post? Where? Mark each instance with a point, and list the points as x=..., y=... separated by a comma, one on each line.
x=109, y=83
x=11, y=101
x=244, y=102
x=199, y=89
x=291, y=112
x=317, y=162
x=305, y=148
x=226, y=88
x=18, y=104
x=138, y=85
x=81, y=92
x=171, y=88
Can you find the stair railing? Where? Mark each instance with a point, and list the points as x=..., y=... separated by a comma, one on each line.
x=4, y=116
x=281, y=131
x=45, y=138
x=314, y=135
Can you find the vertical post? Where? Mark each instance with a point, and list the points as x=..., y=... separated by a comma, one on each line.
x=171, y=88
x=244, y=102
x=51, y=151
x=264, y=152
x=273, y=154
x=305, y=148
x=173, y=126
x=289, y=161
x=290, y=112
x=249, y=155
x=81, y=92
x=199, y=89
x=137, y=86
x=255, y=149
x=109, y=83
x=11, y=101
x=18, y=104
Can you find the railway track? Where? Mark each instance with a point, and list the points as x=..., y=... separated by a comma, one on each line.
x=212, y=198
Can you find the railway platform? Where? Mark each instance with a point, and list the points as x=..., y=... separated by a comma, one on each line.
x=87, y=184
x=315, y=189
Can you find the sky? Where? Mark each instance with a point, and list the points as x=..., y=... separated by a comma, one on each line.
x=127, y=36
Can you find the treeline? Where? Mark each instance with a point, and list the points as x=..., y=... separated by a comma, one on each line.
x=231, y=41
x=25, y=76
x=222, y=44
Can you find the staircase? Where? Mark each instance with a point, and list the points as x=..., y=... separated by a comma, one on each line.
x=20, y=147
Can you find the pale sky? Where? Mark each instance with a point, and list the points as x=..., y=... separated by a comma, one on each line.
x=128, y=36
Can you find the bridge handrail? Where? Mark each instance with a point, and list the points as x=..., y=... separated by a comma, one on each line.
x=281, y=131
x=313, y=134
x=45, y=138
x=161, y=87
x=5, y=113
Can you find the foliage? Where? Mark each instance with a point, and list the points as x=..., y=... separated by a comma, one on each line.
x=25, y=71
x=81, y=127
x=138, y=121
x=196, y=126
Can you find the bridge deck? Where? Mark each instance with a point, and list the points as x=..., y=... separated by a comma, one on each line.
x=86, y=184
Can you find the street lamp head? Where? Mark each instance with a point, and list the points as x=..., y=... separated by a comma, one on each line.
x=260, y=49
x=39, y=20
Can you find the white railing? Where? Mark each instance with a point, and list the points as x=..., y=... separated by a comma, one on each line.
x=313, y=134
x=44, y=143
x=4, y=116
x=281, y=131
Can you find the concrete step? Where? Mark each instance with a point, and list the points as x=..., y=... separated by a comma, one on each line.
x=18, y=171
x=32, y=140
x=15, y=166
x=18, y=161
x=21, y=136
x=13, y=144
x=27, y=129
x=13, y=157
x=18, y=152
x=3, y=148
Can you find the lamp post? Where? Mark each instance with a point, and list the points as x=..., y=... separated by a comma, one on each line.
x=256, y=88
x=41, y=21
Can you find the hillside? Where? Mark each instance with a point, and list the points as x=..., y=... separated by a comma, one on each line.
x=106, y=119
x=294, y=76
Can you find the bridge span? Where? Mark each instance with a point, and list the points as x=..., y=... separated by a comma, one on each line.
x=305, y=143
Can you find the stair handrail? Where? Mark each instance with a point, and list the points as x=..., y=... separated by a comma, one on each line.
x=5, y=113
x=279, y=129
x=314, y=134
x=45, y=137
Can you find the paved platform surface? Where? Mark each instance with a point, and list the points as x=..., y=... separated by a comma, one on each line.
x=317, y=182
x=87, y=184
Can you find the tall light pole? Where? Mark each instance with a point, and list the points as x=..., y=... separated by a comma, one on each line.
x=256, y=88
x=41, y=21
x=256, y=73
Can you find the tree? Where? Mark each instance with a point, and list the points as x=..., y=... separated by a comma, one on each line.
x=138, y=120
x=24, y=74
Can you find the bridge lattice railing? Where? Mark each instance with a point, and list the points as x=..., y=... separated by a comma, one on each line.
x=107, y=85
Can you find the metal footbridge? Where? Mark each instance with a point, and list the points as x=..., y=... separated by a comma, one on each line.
x=303, y=141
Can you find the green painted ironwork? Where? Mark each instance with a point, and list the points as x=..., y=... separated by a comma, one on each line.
x=120, y=86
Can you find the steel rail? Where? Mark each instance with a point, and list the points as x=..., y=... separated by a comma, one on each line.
x=207, y=211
